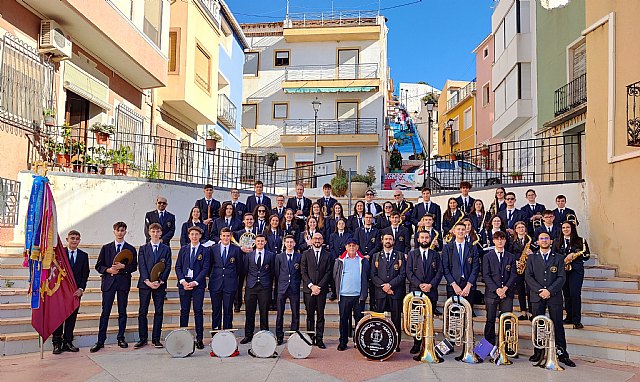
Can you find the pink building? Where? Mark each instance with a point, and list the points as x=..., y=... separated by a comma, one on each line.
x=484, y=95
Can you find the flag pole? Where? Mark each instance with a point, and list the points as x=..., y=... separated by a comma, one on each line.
x=41, y=347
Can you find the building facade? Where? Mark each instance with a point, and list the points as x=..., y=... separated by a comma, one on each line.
x=412, y=94
x=484, y=100
x=456, y=121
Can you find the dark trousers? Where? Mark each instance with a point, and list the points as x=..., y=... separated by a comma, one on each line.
x=349, y=306
x=293, y=295
x=107, y=304
x=493, y=305
x=314, y=306
x=469, y=298
x=555, y=314
x=372, y=300
x=238, y=301
x=523, y=294
x=572, y=291
x=394, y=306
x=64, y=332
x=186, y=297
x=259, y=297
x=222, y=309
x=158, y=304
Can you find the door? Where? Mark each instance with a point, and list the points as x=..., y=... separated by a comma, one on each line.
x=348, y=60
x=347, y=113
x=304, y=173
x=77, y=116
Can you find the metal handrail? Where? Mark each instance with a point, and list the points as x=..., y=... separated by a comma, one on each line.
x=227, y=111
x=331, y=126
x=331, y=72
x=337, y=18
x=571, y=95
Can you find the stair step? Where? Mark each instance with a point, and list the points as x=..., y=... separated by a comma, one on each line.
x=632, y=295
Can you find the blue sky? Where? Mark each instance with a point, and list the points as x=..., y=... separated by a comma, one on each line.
x=429, y=40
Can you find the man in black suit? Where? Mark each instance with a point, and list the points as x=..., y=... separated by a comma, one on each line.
x=150, y=254
x=511, y=215
x=499, y=272
x=288, y=279
x=116, y=280
x=532, y=211
x=326, y=201
x=249, y=227
x=209, y=208
x=166, y=219
x=426, y=206
x=465, y=202
x=368, y=239
x=79, y=262
x=258, y=198
x=258, y=268
x=545, y=276
x=370, y=205
x=405, y=208
x=562, y=211
x=400, y=234
x=424, y=271
x=223, y=280
x=301, y=205
x=192, y=267
x=279, y=208
x=316, y=267
x=388, y=277
x=383, y=220
x=461, y=264
x=547, y=226
x=238, y=206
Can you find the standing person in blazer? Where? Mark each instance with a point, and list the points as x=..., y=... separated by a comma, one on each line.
x=511, y=215
x=227, y=219
x=356, y=220
x=194, y=220
x=465, y=202
x=248, y=227
x=499, y=272
x=388, y=276
x=166, y=219
x=336, y=214
x=405, y=208
x=150, y=254
x=79, y=262
x=288, y=279
x=424, y=272
x=327, y=201
x=562, y=211
x=461, y=264
x=451, y=216
x=545, y=276
x=239, y=207
x=426, y=224
x=424, y=207
x=532, y=211
x=192, y=268
x=116, y=280
x=384, y=220
x=279, y=208
x=548, y=226
x=223, y=280
x=301, y=205
x=258, y=198
x=370, y=205
x=316, y=273
x=400, y=234
x=209, y=208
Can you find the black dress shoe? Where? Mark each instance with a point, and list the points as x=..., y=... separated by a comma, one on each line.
x=123, y=344
x=415, y=349
x=157, y=344
x=245, y=340
x=522, y=317
x=57, y=349
x=342, y=347
x=199, y=345
x=320, y=344
x=96, y=347
x=567, y=361
x=535, y=357
x=273, y=308
x=140, y=344
x=333, y=297
x=437, y=312
x=237, y=310
x=70, y=348
x=578, y=326
x=398, y=349
x=567, y=321
x=280, y=341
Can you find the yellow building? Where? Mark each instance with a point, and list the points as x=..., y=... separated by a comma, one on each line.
x=456, y=124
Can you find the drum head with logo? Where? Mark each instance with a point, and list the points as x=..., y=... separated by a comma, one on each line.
x=263, y=344
x=297, y=346
x=376, y=338
x=180, y=343
x=223, y=344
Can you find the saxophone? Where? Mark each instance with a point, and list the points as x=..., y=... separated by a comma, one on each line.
x=450, y=235
x=568, y=267
x=434, y=240
x=521, y=263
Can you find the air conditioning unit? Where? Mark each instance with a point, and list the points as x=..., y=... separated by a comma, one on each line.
x=54, y=40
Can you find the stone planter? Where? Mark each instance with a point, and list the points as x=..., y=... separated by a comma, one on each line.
x=358, y=189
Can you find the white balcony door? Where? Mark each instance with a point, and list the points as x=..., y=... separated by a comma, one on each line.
x=347, y=117
x=348, y=60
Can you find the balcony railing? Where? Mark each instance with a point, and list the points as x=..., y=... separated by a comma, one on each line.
x=571, y=95
x=227, y=112
x=331, y=19
x=330, y=126
x=212, y=7
x=633, y=114
x=331, y=72
x=461, y=94
x=9, y=202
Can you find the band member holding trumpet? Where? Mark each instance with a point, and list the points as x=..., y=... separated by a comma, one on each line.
x=288, y=279
x=248, y=229
x=424, y=271
x=152, y=257
x=499, y=272
x=223, y=280
x=316, y=266
x=116, y=280
x=461, y=264
x=545, y=276
x=563, y=213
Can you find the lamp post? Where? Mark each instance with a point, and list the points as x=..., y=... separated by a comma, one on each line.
x=427, y=157
x=316, y=107
x=450, y=127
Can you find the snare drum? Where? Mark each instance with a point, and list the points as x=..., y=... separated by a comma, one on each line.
x=299, y=347
x=180, y=343
x=263, y=344
x=376, y=336
x=224, y=343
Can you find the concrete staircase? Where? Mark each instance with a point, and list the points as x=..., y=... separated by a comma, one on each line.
x=611, y=312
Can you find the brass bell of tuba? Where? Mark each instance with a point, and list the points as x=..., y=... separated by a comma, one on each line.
x=544, y=338
x=417, y=322
x=507, y=338
x=458, y=327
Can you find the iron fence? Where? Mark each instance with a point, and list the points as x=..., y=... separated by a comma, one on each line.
x=633, y=115
x=9, y=202
x=330, y=126
x=571, y=95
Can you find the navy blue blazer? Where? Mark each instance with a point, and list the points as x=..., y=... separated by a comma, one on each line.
x=292, y=203
x=479, y=222
x=252, y=203
x=200, y=266
x=221, y=223
x=208, y=212
x=274, y=240
x=429, y=272
x=516, y=216
x=288, y=276
x=224, y=275
x=279, y=212
x=122, y=280
x=80, y=268
x=561, y=217
x=402, y=240
x=184, y=234
x=328, y=204
x=337, y=244
x=447, y=224
x=146, y=263
x=432, y=235
x=451, y=264
x=354, y=222
x=168, y=225
x=541, y=275
x=330, y=226
x=382, y=222
x=238, y=233
x=392, y=272
x=555, y=233
x=419, y=211
x=368, y=243
x=469, y=204
x=497, y=275
x=264, y=273
x=240, y=208
x=528, y=213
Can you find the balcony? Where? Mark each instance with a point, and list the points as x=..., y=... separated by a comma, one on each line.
x=332, y=26
x=571, y=95
x=461, y=95
x=345, y=78
x=227, y=112
x=335, y=133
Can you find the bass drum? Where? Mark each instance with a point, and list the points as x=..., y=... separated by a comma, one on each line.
x=299, y=345
x=180, y=343
x=376, y=337
x=263, y=345
x=223, y=344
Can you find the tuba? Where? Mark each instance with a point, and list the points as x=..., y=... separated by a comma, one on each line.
x=417, y=322
x=507, y=338
x=521, y=263
x=544, y=338
x=458, y=327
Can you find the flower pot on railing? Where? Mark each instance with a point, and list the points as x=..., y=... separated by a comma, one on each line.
x=516, y=176
x=77, y=167
x=102, y=138
x=271, y=159
x=49, y=121
x=211, y=144
x=63, y=160
x=484, y=151
x=120, y=168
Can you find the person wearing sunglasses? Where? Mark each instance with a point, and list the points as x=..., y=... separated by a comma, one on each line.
x=166, y=219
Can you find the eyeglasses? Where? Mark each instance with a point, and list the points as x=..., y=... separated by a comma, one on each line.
x=163, y=203
x=369, y=194
x=388, y=206
x=544, y=238
x=510, y=199
x=263, y=211
x=396, y=196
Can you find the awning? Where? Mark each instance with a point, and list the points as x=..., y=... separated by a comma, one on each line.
x=350, y=89
x=86, y=86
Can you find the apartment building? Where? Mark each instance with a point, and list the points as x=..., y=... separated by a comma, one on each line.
x=456, y=123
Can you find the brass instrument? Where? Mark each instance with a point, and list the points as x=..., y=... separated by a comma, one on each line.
x=434, y=240
x=537, y=223
x=494, y=207
x=507, y=338
x=449, y=235
x=247, y=240
x=417, y=322
x=568, y=267
x=403, y=212
x=458, y=327
x=544, y=338
x=521, y=263
x=572, y=218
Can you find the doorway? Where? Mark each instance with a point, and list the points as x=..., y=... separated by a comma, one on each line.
x=77, y=116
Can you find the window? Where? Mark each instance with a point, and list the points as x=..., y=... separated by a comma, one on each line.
x=174, y=52
x=485, y=94
x=499, y=41
x=511, y=89
x=485, y=52
x=203, y=68
x=348, y=162
x=500, y=101
x=468, y=119
x=251, y=61
x=578, y=60
x=249, y=116
x=153, y=20
x=281, y=58
x=280, y=110
x=511, y=24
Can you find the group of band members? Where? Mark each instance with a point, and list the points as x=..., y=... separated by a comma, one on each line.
x=533, y=251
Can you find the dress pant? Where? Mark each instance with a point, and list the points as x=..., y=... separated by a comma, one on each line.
x=572, y=292
x=238, y=300
x=258, y=296
x=555, y=314
x=294, y=301
x=394, y=306
x=222, y=305
x=314, y=306
x=64, y=332
x=493, y=305
x=107, y=303
x=158, y=304
x=523, y=294
x=186, y=297
x=349, y=307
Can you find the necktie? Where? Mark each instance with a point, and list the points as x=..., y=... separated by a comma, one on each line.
x=118, y=248
x=259, y=260
x=340, y=235
x=500, y=257
x=532, y=207
x=227, y=222
x=425, y=264
x=155, y=254
x=72, y=258
x=290, y=256
x=368, y=207
x=208, y=203
x=224, y=254
x=260, y=200
x=395, y=233
x=388, y=258
x=279, y=211
x=161, y=217
x=299, y=204
x=326, y=202
x=317, y=257
x=192, y=258
x=562, y=211
x=549, y=230
x=288, y=227
x=461, y=254
x=546, y=258
x=466, y=203
x=234, y=205
x=359, y=222
x=566, y=244
x=260, y=225
x=509, y=215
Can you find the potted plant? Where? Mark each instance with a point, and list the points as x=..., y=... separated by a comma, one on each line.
x=361, y=183
x=339, y=182
x=270, y=159
x=97, y=161
x=49, y=117
x=121, y=159
x=63, y=158
x=484, y=151
x=212, y=139
x=516, y=175
x=102, y=131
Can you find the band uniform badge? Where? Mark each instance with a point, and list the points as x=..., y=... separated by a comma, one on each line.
x=553, y=269
x=470, y=260
x=396, y=267
x=433, y=265
x=232, y=260
x=266, y=267
x=296, y=266
x=373, y=239
x=168, y=224
x=508, y=267
x=401, y=238
x=200, y=257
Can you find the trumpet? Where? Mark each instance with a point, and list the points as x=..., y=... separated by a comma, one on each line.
x=572, y=218
x=417, y=322
x=458, y=327
x=507, y=338
x=544, y=338
x=568, y=267
x=521, y=263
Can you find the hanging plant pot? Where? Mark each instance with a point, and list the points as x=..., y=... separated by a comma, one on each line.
x=49, y=120
x=452, y=156
x=102, y=138
x=269, y=162
x=63, y=160
x=484, y=151
x=92, y=169
x=120, y=168
x=211, y=144
x=102, y=170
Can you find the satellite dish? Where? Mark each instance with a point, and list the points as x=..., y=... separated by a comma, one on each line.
x=552, y=4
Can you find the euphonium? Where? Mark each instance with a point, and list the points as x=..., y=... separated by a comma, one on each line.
x=417, y=322
x=458, y=327
x=544, y=338
x=568, y=267
x=521, y=263
x=507, y=338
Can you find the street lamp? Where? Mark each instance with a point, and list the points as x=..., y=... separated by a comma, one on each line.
x=427, y=157
x=316, y=107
